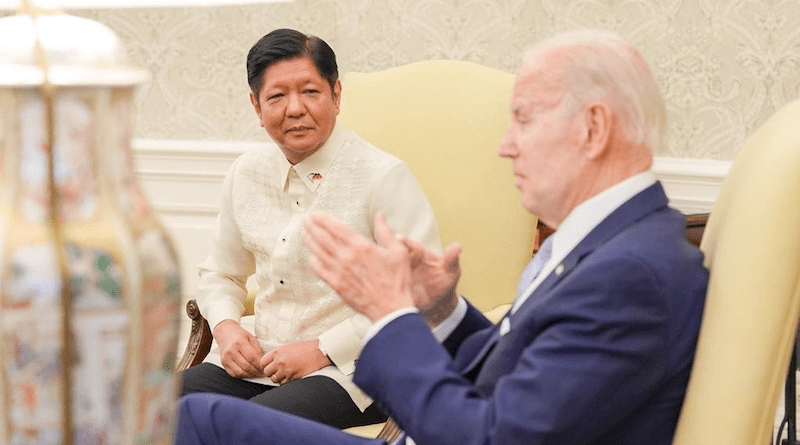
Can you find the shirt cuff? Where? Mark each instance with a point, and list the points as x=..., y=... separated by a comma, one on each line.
x=441, y=332
x=450, y=323
x=221, y=316
x=342, y=342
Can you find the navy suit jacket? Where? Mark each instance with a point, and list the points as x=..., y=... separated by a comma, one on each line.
x=598, y=354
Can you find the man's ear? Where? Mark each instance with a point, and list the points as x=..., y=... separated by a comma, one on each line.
x=337, y=94
x=599, y=125
x=256, y=106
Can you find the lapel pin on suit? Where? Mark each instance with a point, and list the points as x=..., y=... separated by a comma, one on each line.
x=505, y=326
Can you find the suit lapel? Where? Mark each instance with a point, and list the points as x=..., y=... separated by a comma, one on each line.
x=639, y=206
x=487, y=346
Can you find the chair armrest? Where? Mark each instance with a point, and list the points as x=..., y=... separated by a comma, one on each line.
x=199, y=340
x=695, y=226
x=390, y=431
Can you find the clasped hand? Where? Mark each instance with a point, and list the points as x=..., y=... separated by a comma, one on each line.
x=378, y=279
x=242, y=356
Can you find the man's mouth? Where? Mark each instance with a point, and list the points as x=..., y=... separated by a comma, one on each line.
x=518, y=180
x=298, y=129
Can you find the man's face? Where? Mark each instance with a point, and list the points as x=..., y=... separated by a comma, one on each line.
x=543, y=142
x=296, y=107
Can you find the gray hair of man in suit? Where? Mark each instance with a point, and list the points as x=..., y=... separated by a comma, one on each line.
x=605, y=66
x=598, y=91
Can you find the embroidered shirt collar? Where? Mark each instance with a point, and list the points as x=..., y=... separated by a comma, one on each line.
x=312, y=170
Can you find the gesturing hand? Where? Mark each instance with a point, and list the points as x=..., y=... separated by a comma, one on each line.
x=434, y=279
x=372, y=278
x=293, y=361
x=239, y=350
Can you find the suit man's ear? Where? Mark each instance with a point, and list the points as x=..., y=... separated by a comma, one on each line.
x=600, y=122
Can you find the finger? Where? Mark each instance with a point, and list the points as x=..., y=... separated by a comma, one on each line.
x=335, y=231
x=330, y=241
x=280, y=380
x=416, y=250
x=319, y=240
x=324, y=272
x=255, y=353
x=290, y=375
x=248, y=368
x=232, y=369
x=452, y=255
x=325, y=254
x=243, y=363
x=250, y=359
x=266, y=359
x=383, y=233
x=270, y=369
x=239, y=367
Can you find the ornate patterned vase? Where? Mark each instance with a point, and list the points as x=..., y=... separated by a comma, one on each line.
x=89, y=281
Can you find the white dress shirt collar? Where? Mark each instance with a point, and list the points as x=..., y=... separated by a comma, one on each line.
x=314, y=168
x=584, y=218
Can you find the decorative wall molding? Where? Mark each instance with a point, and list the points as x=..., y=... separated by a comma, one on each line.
x=692, y=185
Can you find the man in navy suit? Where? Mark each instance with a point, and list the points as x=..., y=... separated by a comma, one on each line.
x=599, y=344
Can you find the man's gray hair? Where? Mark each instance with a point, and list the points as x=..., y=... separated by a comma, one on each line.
x=603, y=66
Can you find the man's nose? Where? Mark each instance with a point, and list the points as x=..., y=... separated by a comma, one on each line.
x=507, y=147
x=295, y=107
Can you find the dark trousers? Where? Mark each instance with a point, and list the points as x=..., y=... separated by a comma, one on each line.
x=318, y=398
x=213, y=419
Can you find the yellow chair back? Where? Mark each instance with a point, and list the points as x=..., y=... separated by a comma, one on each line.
x=446, y=120
x=752, y=248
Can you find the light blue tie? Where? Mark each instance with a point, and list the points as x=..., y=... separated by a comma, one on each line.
x=535, y=266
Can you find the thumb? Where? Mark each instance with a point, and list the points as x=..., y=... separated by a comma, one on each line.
x=266, y=359
x=383, y=233
x=452, y=255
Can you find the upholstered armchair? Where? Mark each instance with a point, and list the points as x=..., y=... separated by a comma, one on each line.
x=752, y=248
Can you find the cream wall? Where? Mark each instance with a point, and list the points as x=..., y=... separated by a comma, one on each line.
x=724, y=65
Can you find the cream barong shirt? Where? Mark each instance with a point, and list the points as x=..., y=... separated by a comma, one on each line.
x=260, y=230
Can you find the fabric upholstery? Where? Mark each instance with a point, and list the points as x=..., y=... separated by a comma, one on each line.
x=446, y=119
x=752, y=248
